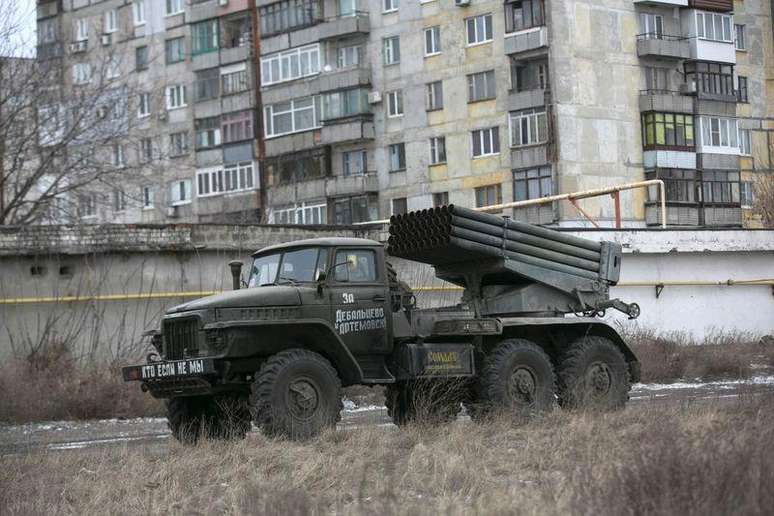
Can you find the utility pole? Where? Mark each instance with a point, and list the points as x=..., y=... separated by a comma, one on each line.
x=256, y=55
x=3, y=136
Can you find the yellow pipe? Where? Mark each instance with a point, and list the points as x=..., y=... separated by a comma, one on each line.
x=202, y=293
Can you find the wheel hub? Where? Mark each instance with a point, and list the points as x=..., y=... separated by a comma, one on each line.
x=304, y=398
x=599, y=379
x=522, y=384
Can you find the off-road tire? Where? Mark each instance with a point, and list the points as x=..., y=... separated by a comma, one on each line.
x=422, y=402
x=593, y=374
x=212, y=417
x=296, y=394
x=517, y=378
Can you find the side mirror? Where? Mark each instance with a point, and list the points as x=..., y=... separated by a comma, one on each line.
x=236, y=273
x=320, y=276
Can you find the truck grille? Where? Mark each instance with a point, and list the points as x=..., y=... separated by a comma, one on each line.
x=181, y=338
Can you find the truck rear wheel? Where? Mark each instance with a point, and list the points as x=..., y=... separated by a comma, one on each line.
x=593, y=374
x=296, y=394
x=211, y=417
x=422, y=401
x=517, y=377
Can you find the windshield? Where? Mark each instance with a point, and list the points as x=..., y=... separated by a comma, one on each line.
x=296, y=266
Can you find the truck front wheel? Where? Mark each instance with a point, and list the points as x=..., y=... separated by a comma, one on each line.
x=517, y=377
x=212, y=417
x=593, y=374
x=296, y=394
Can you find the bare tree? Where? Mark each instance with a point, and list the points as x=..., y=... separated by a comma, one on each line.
x=764, y=199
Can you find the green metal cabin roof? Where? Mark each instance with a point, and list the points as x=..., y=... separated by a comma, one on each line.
x=320, y=242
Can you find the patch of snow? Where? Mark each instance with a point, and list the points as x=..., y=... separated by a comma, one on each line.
x=366, y=408
x=727, y=384
x=349, y=404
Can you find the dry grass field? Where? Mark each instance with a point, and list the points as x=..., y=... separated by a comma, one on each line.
x=680, y=458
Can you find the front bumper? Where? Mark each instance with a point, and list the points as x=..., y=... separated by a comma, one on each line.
x=165, y=379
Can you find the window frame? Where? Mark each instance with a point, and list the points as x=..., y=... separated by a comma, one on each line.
x=398, y=150
x=485, y=190
x=487, y=28
x=143, y=105
x=433, y=41
x=661, y=118
x=178, y=5
x=394, y=104
x=269, y=116
x=138, y=12
x=178, y=144
x=391, y=50
x=740, y=33
x=437, y=146
x=176, y=92
x=543, y=175
x=489, y=84
x=434, y=96
x=486, y=135
x=532, y=117
x=277, y=62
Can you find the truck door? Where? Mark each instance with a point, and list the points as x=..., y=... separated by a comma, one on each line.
x=359, y=300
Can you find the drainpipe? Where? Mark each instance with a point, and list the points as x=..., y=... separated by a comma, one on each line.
x=256, y=54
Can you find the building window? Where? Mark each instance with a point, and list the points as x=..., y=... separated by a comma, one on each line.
x=47, y=31
x=118, y=155
x=178, y=143
x=146, y=149
x=87, y=205
x=292, y=117
x=239, y=177
x=399, y=206
x=312, y=213
x=147, y=197
x=143, y=105
x=745, y=142
x=180, y=192
x=395, y=104
x=523, y=14
x=432, y=41
x=440, y=199
x=656, y=80
x=110, y=21
x=354, y=162
x=289, y=15
x=740, y=42
x=119, y=200
x=391, y=50
x=435, y=95
x=713, y=27
x=207, y=132
x=113, y=68
x=489, y=195
x=234, y=79
x=712, y=78
x=207, y=84
x=529, y=75
x=236, y=31
x=81, y=73
x=747, y=194
x=346, y=103
x=141, y=58
x=720, y=187
x=237, y=126
x=396, y=153
x=719, y=132
x=349, y=56
x=176, y=97
x=667, y=130
x=204, y=37
x=528, y=127
x=297, y=167
x=355, y=209
x=174, y=50
x=741, y=92
x=290, y=65
x=680, y=184
x=486, y=142
x=651, y=26
x=481, y=86
x=138, y=11
x=437, y=150
x=81, y=29
x=532, y=183
x=173, y=7
x=479, y=29
x=389, y=6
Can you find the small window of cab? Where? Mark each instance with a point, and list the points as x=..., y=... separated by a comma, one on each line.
x=289, y=267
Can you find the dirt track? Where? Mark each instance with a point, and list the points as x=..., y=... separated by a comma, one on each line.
x=74, y=435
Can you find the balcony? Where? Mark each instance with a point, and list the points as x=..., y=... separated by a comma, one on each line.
x=518, y=100
x=279, y=145
x=339, y=26
x=338, y=79
x=46, y=9
x=347, y=130
x=526, y=40
x=661, y=3
x=663, y=46
x=712, y=5
x=665, y=101
x=712, y=51
x=339, y=186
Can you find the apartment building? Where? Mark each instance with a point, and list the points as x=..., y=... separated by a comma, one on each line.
x=367, y=108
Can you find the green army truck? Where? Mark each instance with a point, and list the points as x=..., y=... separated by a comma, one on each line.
x=314, y=316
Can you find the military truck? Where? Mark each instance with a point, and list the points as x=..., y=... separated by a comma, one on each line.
x=313, y=316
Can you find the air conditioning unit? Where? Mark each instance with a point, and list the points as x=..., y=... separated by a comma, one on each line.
x=79, y=46
x=223, y=3
x=374, y=97
x=162, y=116
x=172, y=212
x=688, y=88
x=106, y=39
x=462, y=3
